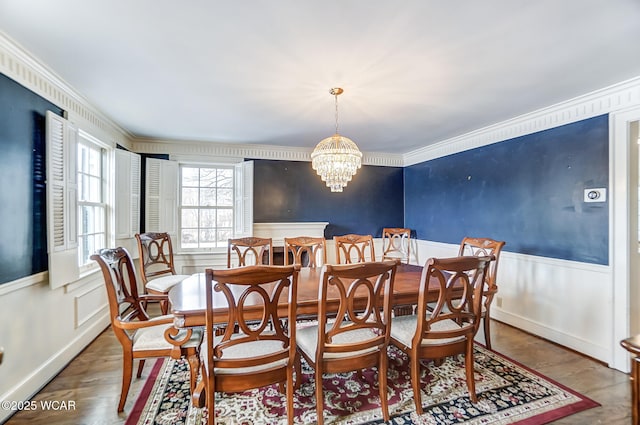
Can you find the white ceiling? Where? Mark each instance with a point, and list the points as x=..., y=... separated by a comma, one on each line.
x=415, y=72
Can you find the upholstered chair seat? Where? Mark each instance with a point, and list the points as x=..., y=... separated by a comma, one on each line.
x=165, y=283
x=247, y=350
x=403, y=329
x=152, y=338
x=307, y=339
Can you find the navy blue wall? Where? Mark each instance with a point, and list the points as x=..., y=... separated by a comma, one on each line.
x=23, y=225
x=526, y=191
x=286, y=191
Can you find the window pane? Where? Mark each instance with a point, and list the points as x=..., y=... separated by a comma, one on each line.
x=208, y=218
x=225, y=197
x=95, y=189
x=189, y=196
x=189, y=218
x=225, y=177
x=95, y=163
x=101, y=216
x=83, y=188
x=100, y=242
x=225, y=218
x=83, y=153
x=190, y=176
x=208, y=177
x=208, y=197
x=86, y=220
x=207, y=238
x=189, y=238
x=223, y=236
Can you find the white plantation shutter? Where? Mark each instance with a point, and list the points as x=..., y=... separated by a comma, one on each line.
x=243, y=209
x=161, y=196
x=152, y=196
x=127, y=199
x=62, y=202
x=134, y=207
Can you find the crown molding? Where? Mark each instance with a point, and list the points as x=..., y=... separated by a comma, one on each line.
x=22, y=67
x=228, y=150
x=613, y=98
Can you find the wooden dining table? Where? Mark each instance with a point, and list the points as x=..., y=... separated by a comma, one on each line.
x=188, y=301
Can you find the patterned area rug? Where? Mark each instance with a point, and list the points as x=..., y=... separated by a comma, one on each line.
x=508, y=393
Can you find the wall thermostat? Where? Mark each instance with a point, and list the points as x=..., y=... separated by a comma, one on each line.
x=595, y=195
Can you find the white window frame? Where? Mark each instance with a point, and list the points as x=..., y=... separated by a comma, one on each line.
x=162, y=198
x=233, y=205
x=94, y=144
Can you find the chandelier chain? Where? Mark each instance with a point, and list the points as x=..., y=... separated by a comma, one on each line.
x=336, y=97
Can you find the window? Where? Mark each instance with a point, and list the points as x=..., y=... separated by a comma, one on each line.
x=92, y=208
x=206, y=216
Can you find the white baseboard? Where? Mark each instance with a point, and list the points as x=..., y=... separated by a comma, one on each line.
x=33, y=383
x=565, y=339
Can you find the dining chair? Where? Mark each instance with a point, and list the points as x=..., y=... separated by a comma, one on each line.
x=304, y=249
x=359, y=335
x=155, y=253
x=141, y=337
x=249, y=251
x=354, y=249
x=396, y=244
x=485, y=247
x=448, y=329
x=262, y=352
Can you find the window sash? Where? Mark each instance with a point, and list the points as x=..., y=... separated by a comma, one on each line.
x=206, y=206
x=92, y=208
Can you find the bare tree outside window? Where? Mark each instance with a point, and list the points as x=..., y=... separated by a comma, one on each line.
x=206, y=206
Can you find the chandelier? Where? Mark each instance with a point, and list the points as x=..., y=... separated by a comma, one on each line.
x=336, y=159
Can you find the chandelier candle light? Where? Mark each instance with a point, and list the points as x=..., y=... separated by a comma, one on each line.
x=336, y=159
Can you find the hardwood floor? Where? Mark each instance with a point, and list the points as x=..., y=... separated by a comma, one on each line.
x=92, y=380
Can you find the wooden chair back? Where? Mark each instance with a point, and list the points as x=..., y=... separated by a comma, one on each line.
x=396, y=244
x=155, y=255
x=354, y=249
x=358, y=336
x=460, y=282
x=250, y=248
x=484, y=247
x=374, y=280
x=261, y=352
x=304, y=249
x=125, y=303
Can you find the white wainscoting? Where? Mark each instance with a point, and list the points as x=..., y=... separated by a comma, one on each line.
x=566, y=302
x=186, y=263
x=45, y=329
